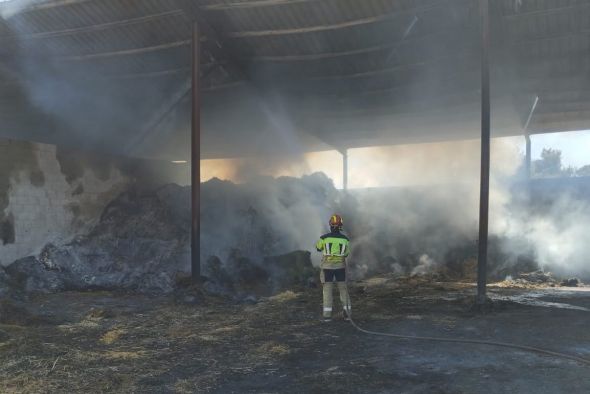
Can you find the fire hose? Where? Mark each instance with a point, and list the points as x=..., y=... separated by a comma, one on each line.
x=530, y=349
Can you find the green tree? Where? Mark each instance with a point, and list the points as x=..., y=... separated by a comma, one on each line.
x=549, y=165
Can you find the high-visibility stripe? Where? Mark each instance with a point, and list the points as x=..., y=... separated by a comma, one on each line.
x=327, y=309
x=335, y=247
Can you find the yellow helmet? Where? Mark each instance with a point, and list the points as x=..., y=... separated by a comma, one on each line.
x=336, y=221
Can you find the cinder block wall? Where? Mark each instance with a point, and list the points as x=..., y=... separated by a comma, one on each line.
x=49, y=194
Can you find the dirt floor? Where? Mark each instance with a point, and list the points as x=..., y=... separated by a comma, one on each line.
x=99, y=342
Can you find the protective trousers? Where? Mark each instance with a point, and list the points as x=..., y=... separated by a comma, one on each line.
x=328, y=288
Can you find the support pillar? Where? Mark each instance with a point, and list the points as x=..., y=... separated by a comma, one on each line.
x=484, y=196
x=528, y=159
x=527, y=137
x=344, y=169
x=195, y=161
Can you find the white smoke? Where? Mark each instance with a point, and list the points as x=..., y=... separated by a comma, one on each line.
x=425, y=266
x=9, y=8
x=431, y=209
x=546, y=226
x=431, y=219
x=558, y=233
x=265, y=216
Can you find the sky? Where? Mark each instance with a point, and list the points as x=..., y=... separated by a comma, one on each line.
x=391, y=166
x=574, y=146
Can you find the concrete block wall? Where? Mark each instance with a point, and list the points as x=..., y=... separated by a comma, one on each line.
x=48, y=194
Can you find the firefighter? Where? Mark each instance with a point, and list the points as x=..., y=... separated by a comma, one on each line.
x=336, y=247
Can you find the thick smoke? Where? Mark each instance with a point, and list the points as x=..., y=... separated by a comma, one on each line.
x=87, y=103
x=265, y=216
x=435, y=224
x=425, y=219
x=9, y=8
x=430, y=220
x=413, y=230
x=555, y=229
x=561, y=236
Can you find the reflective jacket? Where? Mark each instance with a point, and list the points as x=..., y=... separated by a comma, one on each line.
x=335, y=247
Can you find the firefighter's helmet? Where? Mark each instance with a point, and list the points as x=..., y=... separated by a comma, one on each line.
x=336, y=221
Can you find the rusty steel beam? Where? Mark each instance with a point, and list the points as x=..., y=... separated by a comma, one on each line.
x=484, y=195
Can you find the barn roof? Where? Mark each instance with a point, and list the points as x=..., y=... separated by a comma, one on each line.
x=286, y=75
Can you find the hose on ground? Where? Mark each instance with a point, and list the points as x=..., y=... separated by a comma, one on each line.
x=525, y=348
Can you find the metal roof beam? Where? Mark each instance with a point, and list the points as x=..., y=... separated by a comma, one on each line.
x=169, y=105
x=253, y=4
x=222, y=86
x=216, y=46
x=150, y=74
x=220, y=53
x=126, y=52
x=47, y=5
x=395, y=105
x=210, y=7
x=99, y=27
x=377, y=48
x=549, y=11
x=362, y=51
x=561, y=118
x=581, y=32
x=565, y=105
x=163, y=73
x=334, y=26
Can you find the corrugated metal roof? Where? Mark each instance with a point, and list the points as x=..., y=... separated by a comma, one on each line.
x=341, y=56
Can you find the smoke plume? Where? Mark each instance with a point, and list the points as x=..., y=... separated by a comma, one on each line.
x=426, y=216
